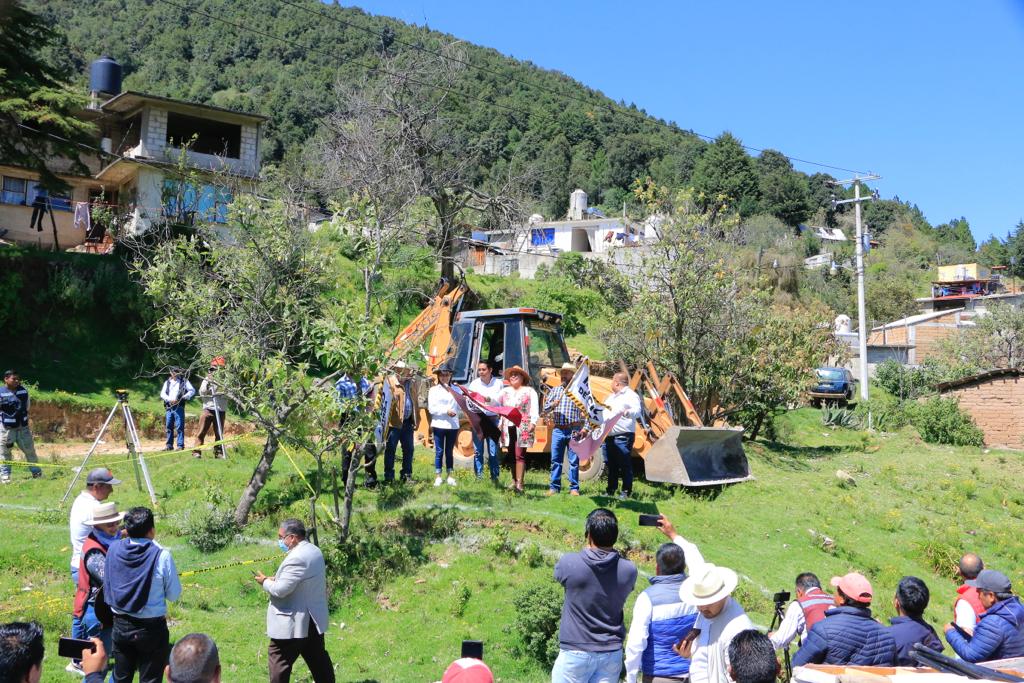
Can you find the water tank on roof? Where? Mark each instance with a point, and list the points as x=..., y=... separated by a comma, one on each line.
x=105, y=77
x=577, y=205
x=843, y=324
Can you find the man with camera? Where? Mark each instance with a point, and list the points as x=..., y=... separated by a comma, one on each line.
x=174, y=393
x=808, y=609
x=660, y=617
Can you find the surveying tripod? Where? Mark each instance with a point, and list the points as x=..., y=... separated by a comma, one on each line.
x=131, y=439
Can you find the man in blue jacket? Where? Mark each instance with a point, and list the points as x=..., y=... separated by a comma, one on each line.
x=848, y=634
x=910, y=628
x=1000, y=631
x=660, y=617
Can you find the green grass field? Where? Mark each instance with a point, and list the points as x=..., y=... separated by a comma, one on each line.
x=912, y=510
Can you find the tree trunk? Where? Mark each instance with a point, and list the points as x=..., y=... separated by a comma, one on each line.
x=447, y=250
x=758, y=421
x=257, y=481
x=350, y=490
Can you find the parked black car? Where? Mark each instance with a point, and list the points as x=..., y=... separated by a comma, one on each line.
x=834, y=384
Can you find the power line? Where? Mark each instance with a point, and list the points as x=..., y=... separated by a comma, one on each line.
x=370, y=67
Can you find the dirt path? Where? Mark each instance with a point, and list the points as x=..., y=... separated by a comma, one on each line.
x=63, y=450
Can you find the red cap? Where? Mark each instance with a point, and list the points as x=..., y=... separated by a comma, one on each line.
x=854, y=586
x=467, y=670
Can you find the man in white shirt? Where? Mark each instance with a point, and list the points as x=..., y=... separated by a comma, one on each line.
x=99, y=484
x=721, y=619
x=488, y=386
x=174, y=393
x=660, y=618
x=625, y=402
x=807, y=610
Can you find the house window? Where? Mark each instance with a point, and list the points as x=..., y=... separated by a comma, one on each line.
x=59, y=201
x=205, y=136
x=15, y=191
x=185, y=204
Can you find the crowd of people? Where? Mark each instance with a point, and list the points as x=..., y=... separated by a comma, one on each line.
x=687, y=626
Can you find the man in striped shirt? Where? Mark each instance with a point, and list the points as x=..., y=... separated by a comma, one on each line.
x=567, y=419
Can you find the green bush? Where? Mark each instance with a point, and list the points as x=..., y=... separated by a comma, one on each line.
x=940, y=420
x=834, y=416
x=538, y=612
x=209, y=528
x=888, y=414
x=907, y=382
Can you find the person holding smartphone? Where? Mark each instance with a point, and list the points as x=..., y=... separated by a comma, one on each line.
x=721, y=618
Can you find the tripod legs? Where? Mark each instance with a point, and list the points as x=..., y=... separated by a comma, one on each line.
x=131, y=436
x=88, y=455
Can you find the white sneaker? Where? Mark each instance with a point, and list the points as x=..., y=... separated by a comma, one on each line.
x=437, y=482
x=451, y=480
x=7, y=480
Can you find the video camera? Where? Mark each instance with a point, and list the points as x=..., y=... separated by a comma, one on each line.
x=781, y=598
x=122, y=395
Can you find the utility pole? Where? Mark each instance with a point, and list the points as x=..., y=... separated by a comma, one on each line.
x=862, y=334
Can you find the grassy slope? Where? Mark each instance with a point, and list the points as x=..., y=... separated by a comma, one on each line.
x=914, y=507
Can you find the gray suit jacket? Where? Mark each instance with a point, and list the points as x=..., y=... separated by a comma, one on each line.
x=298, y=594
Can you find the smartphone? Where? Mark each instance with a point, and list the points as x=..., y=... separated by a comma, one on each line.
x=649, y=520
x=72, y=647
x=474, y=649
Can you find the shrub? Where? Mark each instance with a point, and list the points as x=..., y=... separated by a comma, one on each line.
x=887, y=414
x=369, y=558
x=538, y=612
x=209, y=528
x=907, y=382
x=434, y=523
x=834, y=416
x=940, y=420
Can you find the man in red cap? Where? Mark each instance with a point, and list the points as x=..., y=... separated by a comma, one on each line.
x=848, y=634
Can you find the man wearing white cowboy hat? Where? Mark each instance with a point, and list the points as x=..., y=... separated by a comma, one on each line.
x=721, y=619
x=90, y=608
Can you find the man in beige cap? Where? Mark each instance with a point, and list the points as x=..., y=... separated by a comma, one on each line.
x=721, y=619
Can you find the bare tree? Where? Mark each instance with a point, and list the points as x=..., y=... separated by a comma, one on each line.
x=391, y=141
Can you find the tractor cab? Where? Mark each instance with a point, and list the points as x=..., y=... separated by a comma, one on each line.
x=505, y=337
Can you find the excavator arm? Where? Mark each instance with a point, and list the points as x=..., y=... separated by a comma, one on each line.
x=433, y=325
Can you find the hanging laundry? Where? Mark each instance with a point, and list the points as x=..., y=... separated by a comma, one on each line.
x=83, y=220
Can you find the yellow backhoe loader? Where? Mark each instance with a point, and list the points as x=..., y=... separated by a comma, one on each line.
x=671, y=439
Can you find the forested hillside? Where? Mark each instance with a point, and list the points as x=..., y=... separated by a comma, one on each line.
x=284, y=58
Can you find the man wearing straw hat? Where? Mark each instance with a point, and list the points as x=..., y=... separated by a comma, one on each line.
x=721, y=618
x=90, y=607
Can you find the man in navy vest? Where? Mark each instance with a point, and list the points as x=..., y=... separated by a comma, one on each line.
x=14, y=404
x=1000, y=631
x=660, y=617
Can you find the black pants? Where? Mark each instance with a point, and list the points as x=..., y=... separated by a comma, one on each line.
x=141, y=645
x=283, y=653
x=620, y=463
x=369, y=454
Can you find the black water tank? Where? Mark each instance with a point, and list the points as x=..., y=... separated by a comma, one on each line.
x=105, y=76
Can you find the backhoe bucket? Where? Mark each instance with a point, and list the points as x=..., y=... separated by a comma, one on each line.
x=698, y=456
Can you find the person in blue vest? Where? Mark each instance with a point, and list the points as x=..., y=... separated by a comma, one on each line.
x=1000, y=631
x=660, y=617
x=174, y=393
x=14, y=405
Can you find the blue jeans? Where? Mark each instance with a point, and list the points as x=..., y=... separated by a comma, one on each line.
x=92, y=628
x=404, y=436
x=174, y=420
x=478, y=456
x=560, y=437
x=576, y=666
x=620, y=462
x=444, y=446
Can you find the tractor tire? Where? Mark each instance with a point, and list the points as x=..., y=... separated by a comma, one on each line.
x=593, y=469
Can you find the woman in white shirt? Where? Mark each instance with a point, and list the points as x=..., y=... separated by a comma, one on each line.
x=444, y=422
x=519, y=394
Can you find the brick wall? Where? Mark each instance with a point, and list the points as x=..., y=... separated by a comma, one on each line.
x=997, y=406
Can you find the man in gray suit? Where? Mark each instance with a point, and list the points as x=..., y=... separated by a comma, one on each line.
x=297, y=614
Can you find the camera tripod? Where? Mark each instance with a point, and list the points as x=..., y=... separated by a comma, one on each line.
x=777, y=618
x=131, y=439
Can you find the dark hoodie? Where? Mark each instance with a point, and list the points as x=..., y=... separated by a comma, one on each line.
x=597, y=583
x=129, y=574
x=907, y=632
x=998, y=635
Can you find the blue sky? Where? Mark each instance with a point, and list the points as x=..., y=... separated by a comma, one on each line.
x=928, y=94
